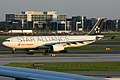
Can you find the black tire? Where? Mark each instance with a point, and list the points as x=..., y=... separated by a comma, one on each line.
x=13, y=52
x=30, y=53
x=48, y=51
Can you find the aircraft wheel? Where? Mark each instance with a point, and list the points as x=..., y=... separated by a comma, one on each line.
x=48, y=51
x=13, y=52
x=30, y=53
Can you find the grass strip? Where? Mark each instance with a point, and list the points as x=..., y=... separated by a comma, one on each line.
x=93, y=48
x=72, y=66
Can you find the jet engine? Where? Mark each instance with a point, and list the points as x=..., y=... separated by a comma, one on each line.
x=57, y=48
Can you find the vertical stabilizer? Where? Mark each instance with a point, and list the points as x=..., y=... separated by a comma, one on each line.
x=97, y=27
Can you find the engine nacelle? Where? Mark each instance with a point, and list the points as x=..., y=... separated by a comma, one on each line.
x=57, y=48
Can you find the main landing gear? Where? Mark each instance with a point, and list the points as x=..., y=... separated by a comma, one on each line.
x=47, y=52
x=30, y=52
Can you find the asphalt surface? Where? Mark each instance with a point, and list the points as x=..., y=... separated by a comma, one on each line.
x=83, y=56
x=68, y=53
x=101, y=58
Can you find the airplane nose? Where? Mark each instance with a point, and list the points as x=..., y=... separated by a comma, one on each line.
x=4, y=43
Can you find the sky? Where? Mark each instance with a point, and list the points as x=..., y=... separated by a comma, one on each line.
x=90, y=8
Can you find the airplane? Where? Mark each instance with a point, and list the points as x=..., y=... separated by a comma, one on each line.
x=54, y=43
x=32, y=74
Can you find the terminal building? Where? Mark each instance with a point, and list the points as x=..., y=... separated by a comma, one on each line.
x=53, y=21
x=34, y=19
x=80, y=23
x=76, y=23
x=112, y=25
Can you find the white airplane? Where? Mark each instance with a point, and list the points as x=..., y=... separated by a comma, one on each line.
x=54, y=43
x=32, y=74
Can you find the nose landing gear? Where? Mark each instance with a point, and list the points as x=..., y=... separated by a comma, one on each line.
x=13, y=51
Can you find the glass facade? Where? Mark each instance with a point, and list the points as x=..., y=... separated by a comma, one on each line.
x=38, y=19
x=54, y=21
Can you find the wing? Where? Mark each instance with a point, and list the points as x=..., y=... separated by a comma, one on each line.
x=31, y=74
x=69, y=42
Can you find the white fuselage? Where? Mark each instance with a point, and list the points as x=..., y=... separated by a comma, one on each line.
x=35, y=41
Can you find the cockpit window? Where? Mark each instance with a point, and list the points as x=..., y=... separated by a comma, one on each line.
x=7, y=40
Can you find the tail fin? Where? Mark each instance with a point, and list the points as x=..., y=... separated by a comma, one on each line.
x=97, y=27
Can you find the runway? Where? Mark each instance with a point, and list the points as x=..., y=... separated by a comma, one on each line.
x=83, y=56
x=76, y=52
x=62, y=59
